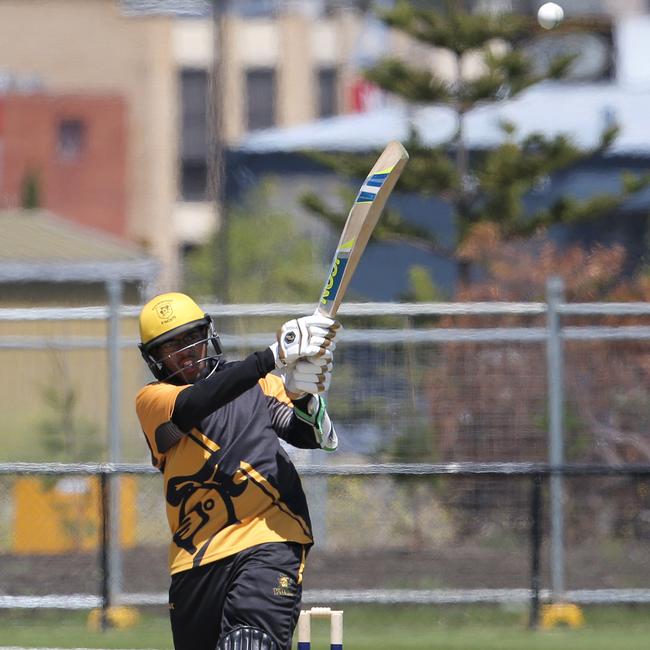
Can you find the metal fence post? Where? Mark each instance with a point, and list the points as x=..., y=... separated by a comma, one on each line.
x=105, y=501
x=114, y=288
x=554, y=351
x=535, y=548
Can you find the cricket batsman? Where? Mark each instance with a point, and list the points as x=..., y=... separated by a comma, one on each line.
x=237, y=512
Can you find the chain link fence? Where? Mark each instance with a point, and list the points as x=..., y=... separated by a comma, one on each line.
x=469, y=402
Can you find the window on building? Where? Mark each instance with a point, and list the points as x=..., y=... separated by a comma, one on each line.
x=194, y=181
x=261, y=96
x=328, y=104
x=194, y=84
x=194, y=121
x=71, y=137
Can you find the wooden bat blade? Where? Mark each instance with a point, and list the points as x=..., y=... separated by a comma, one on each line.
x=361, y=221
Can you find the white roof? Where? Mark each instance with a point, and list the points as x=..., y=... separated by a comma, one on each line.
x=580, y=111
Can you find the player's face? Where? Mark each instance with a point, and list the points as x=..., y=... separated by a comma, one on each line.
x=185, y=354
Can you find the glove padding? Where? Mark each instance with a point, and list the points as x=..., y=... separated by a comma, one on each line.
x=309, y=336
x=312, y=375
x=316, y=415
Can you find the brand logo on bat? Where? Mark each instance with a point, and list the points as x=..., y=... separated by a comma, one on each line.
x=336, y=274
x=372, y=185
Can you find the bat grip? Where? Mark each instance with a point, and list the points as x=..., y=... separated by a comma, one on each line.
x=322, y=311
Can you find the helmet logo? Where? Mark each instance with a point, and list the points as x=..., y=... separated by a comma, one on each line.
x=289, y=337
x=165, y=311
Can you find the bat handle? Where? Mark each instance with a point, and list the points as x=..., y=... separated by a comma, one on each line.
x=322, y=311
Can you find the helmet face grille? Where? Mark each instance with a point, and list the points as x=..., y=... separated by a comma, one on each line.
x=194, y=357
x=198, y=367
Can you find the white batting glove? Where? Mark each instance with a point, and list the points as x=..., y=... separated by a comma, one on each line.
x=309, y=336
x=311, y=375
x=317, y=416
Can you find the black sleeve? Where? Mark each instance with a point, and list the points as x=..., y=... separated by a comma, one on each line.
x=290, y=428
x=199, y=400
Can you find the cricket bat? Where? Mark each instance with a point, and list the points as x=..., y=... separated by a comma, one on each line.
x=361, y=221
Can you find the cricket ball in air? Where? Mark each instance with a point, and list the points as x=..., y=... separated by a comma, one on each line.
x=550, y=15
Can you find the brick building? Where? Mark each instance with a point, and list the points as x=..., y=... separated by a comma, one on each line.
x=66, y=153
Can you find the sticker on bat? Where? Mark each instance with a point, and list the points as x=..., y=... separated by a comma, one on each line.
x=334, y=281
x=372, y=185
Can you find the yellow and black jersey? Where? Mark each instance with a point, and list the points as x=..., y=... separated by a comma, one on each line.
x=228, y=482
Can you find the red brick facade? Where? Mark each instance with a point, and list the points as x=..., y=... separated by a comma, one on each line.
x=74, y=147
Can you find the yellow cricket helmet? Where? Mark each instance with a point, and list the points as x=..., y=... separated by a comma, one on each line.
x=163, y=315
x=167, y=316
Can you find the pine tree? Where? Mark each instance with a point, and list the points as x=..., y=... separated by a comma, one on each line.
x=486, y=186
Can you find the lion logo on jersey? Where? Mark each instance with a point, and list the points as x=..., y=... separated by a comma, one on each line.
x=196, y=496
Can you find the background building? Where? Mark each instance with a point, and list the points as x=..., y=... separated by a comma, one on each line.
x=284, y=65
x=91, y=47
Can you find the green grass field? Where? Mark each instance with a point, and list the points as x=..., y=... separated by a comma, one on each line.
x=366, y=628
